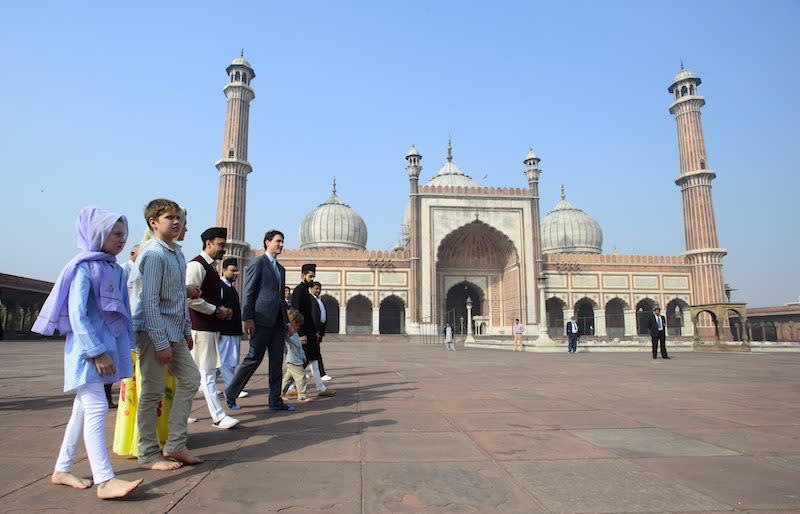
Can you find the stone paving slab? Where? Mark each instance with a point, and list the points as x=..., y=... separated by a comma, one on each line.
x=604, y=485
x=649, y=442
x=416, y=429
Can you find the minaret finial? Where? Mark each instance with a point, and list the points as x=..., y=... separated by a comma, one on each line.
x=334, y=186
x=682, y=64
x=449, y=149
x=563, y=193
x=241, y=54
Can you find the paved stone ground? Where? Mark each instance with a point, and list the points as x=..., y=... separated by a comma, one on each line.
x=417, y=429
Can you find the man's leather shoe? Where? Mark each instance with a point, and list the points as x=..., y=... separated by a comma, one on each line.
x=666, y=357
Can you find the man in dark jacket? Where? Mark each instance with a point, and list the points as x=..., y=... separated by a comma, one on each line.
x=230, y=338
x=573, y=333
x=658, y=333
x=304, y=301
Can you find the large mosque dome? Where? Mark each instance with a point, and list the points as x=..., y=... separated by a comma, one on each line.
x=567, y=229
x=333, y=224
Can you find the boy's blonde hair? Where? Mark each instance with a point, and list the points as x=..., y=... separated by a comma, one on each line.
x=159, y=206
x=295, y=317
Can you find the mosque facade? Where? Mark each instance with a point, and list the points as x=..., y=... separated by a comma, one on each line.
x=481, y=257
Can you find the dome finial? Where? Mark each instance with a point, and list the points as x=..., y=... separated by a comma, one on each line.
x=449, y=149
x=682, y=64
x=241, y=54
x=334, y=186
x=563, y=193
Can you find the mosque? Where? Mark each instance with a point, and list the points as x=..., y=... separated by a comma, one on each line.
x=480, y=257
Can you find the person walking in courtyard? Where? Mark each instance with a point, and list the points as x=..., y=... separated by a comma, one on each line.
x=164, y=340
x=230, y=338
x=207, y=314
x=89, y=304
x=264, y=314
x=573, y=333
x=448, y=337
x=304, y=301
x=658, y=333
x=518, y=330
x=295, y=358
x=320, y=320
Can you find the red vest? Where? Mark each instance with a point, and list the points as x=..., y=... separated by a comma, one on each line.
x=210, y=291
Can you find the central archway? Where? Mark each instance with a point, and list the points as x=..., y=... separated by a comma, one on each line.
x=485, y=261
x=455, y=305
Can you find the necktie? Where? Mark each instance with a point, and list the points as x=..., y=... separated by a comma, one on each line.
x=275, y=269
x=658, y=320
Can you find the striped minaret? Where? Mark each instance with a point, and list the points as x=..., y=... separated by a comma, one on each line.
x=233, y=166
x=700, y=228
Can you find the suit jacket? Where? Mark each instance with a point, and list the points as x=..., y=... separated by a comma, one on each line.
x=263, y=294
x=653, y=325
x=577, y=329
x=316, y=313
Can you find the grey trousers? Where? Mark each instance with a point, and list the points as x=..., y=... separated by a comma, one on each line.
x=185, y=370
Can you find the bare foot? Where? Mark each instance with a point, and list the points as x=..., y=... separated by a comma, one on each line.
x=63, y=478
x=184, y=457
x=162, y=465
x=116, y=488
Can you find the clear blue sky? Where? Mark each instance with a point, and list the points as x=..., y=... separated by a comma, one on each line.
x=115, y=106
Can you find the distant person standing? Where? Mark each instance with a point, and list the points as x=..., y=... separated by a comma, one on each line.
x=658, y=333
x=573, y=333
x=448, y=337
x=518, y=330
x=287, y=297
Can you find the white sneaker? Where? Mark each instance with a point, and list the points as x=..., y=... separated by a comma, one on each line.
x=325, y=378
x=226, y=422
x=291, y=389
x=191, y=420
x=243, y=394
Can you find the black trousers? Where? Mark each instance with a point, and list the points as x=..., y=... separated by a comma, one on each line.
x=662, y=337
x=269, y=340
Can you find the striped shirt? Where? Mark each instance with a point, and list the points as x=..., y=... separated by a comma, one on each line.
x=162, y=310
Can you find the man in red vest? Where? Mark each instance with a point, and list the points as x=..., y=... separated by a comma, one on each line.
x=207, y=314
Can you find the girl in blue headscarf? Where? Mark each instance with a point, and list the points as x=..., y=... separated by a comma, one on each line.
x=89, y=304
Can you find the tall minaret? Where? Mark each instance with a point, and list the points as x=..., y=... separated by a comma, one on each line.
x=414, y=168
x=702, y=247
x=233, y=166
x=532, y=172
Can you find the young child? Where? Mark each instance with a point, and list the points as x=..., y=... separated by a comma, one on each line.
x=295, y=358
x=89, y=304
x=163, y=339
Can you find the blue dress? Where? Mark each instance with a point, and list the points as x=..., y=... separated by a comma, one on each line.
x=91, y=336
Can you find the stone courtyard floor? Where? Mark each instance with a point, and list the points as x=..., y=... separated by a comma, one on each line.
x=416, y=429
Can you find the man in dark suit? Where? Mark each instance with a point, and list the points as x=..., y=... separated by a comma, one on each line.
x=658, y=332
x=320, y=320
x=265, y=320
x=573, y=333
x=304, y=301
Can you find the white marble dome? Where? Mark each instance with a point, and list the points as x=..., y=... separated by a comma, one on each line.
x=451, y=175
x=567, y=229
x=333, y=224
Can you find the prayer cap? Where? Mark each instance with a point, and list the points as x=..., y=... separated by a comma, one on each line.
x=214, y=232
x=308, y=267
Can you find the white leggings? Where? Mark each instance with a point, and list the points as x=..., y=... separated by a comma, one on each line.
x=88, y=420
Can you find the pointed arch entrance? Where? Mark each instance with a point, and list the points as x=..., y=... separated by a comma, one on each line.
x=456, y=301
x=485, y=260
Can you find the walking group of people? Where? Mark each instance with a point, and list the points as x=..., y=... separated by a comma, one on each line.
x=164, y=329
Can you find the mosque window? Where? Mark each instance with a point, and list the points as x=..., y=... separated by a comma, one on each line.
x=230, y=153
x=702, y=164
x=683, y=91
x=244, y=78
x=691, y=90
x=236, y=77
